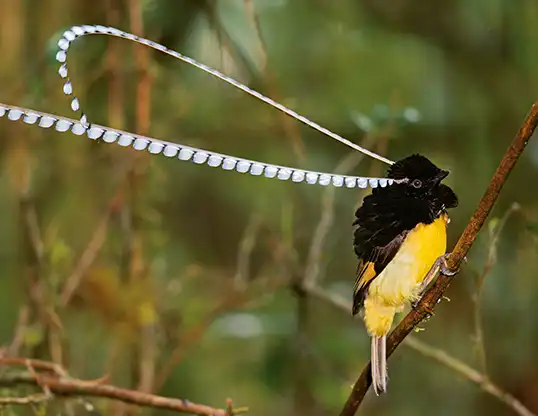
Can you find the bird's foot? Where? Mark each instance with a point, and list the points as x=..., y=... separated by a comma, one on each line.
x=444, y=266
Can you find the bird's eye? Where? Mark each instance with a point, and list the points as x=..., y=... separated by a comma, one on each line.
x=417, y=183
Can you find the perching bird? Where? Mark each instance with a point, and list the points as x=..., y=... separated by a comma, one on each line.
x=400, y=236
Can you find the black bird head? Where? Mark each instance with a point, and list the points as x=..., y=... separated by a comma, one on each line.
x=418, y=173
x=421, y=179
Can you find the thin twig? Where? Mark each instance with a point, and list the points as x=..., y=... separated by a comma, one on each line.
x=75, y=388
x=34, y=374
x=30, y=399
x=247, y=244
x=469, y=373
x=230, y=301
x=146, y=350
x=32, y=228
x=488, y=266
x=310, y=276
x=115, y=88
x=313, y=263
x=434, y=293
x=20, y=332
x=116, y=95
x=437, y=354
x=225, y=41
x=88, y=255
x=229, y=407
x=35, y=364
x=290, y=126
x=38, y=290
x=235, y=299
x=255, y=22
x=145, y=80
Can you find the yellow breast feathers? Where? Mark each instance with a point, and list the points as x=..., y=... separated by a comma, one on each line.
x=400, y=281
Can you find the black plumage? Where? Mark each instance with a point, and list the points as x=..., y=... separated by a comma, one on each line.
x=388, y=214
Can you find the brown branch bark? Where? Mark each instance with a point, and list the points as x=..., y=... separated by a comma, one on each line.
x=432, y=296
x=145, y=352
x=54, y=379
x=437, y=354
x=24, y=401
x=72, y=387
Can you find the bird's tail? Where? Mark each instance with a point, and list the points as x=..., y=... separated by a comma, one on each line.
x=379, y=364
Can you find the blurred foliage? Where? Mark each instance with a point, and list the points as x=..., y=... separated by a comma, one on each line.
x=451, y=81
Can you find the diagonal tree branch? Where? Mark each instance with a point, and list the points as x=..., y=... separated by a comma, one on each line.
x=432, y=296
x=438, y=355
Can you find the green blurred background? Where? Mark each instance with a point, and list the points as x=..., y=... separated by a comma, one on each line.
x=113, y=259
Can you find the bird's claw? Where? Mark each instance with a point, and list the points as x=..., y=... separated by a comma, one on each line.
x=444, y=266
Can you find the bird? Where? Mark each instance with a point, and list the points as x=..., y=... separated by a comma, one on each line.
x=400, y=239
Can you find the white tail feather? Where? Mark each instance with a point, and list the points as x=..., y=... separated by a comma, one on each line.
x=78, y=31
x=182, y=152
x=379, y=364
x=187, y=153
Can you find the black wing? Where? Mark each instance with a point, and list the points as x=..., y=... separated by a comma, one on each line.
x=381, y=230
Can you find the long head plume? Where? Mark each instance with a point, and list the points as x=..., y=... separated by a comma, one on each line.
x=182, y=152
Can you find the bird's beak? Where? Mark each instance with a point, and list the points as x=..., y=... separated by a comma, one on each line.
x=441, y=175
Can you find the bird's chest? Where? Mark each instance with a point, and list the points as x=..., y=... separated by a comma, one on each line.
x=400, y=281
